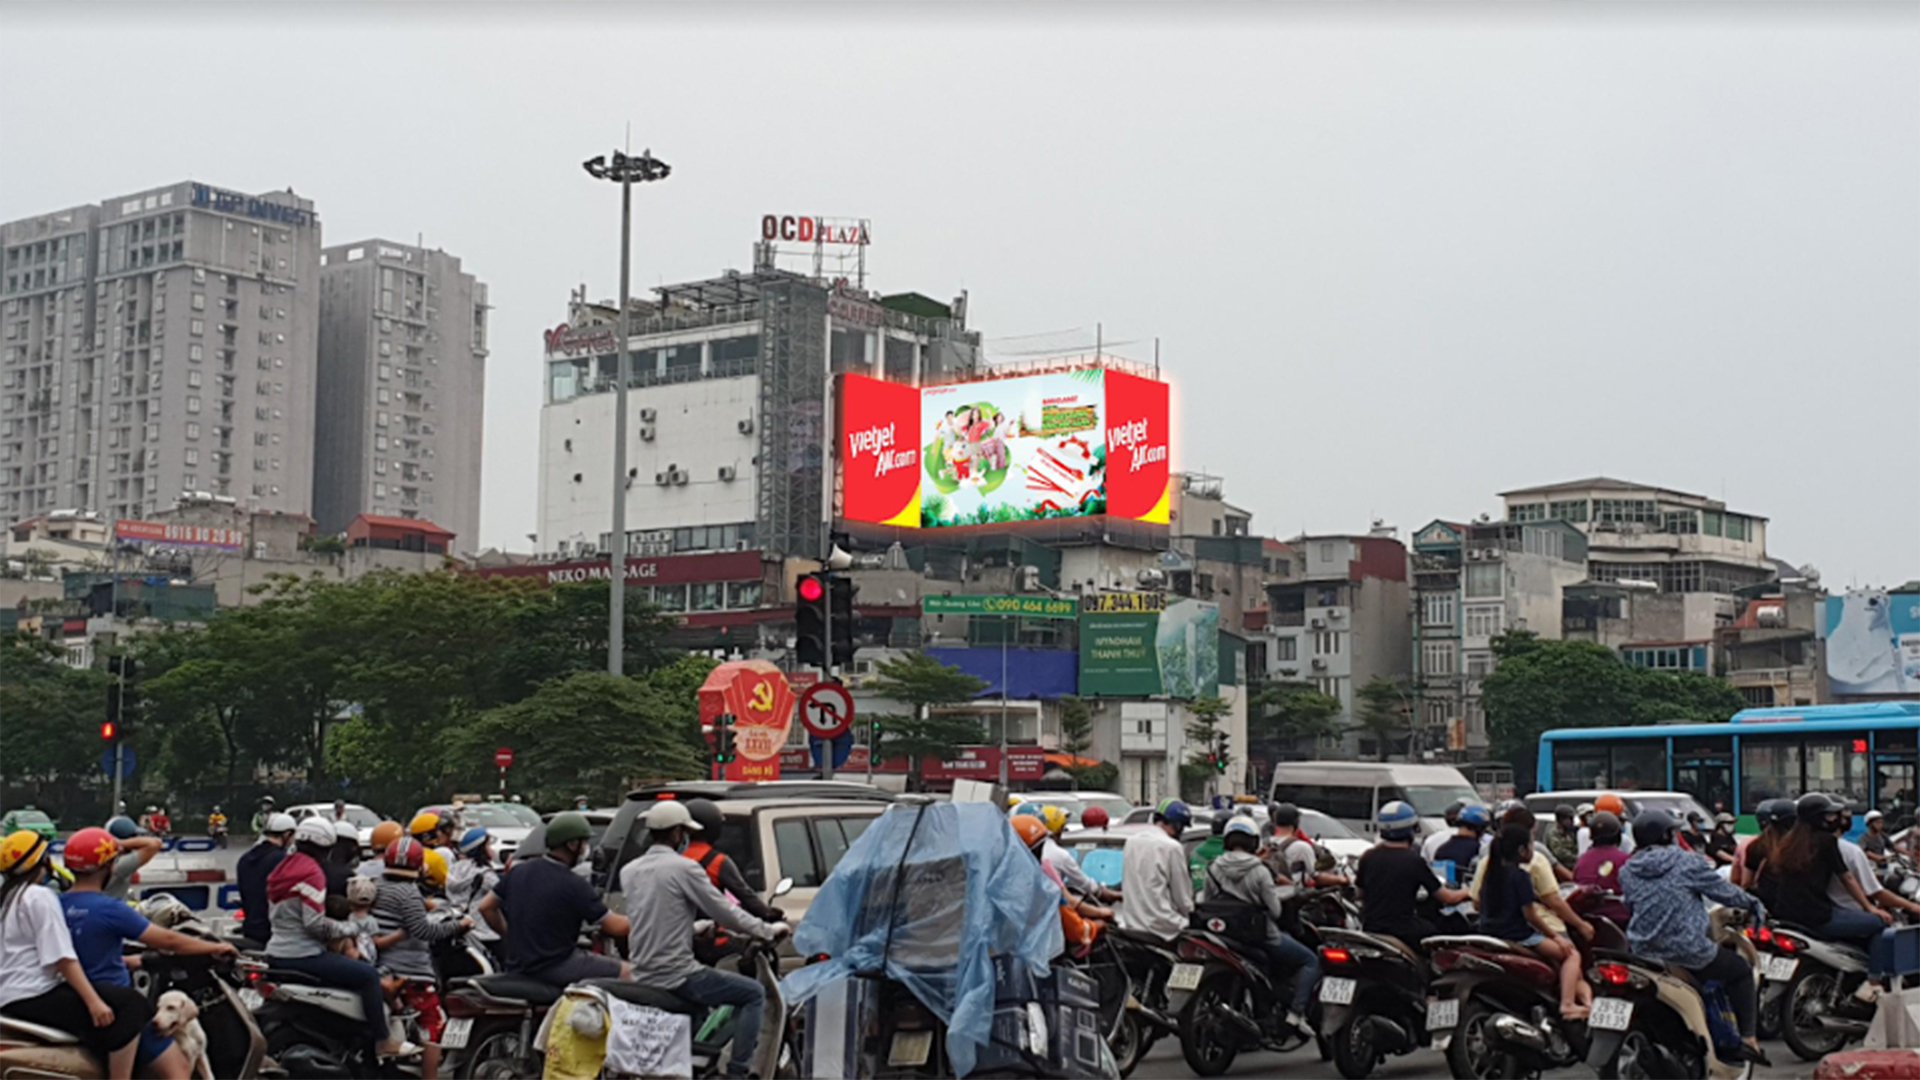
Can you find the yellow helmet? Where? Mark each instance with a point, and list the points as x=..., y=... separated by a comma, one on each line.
x=433, y=867
x=383, y=834
x=1054, y=817
x=424, y=822
x=1015, y=800
x=20, y=852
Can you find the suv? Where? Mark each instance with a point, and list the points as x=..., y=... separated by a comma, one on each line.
x=769, y=836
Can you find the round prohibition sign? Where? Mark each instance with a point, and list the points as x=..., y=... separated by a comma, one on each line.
x=826, y=709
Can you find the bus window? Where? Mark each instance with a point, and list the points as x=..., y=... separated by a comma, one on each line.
x=1834, y=767
x=1578, y=766
x=1768, y=770
x=1895, y=782
x=1640, y=766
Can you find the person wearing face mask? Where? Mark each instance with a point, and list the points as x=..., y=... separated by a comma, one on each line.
x=539, y=905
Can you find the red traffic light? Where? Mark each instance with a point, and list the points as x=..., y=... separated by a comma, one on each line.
x=108, y=729
x=811, y=590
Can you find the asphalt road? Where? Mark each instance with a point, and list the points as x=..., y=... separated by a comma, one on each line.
x=1164, y=1062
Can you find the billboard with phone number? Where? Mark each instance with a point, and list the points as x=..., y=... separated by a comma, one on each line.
x=1075, y=443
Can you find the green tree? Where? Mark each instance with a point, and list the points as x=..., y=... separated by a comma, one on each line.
x=1381, y=710
x=1203, y=736
x=678, y=685
x=1291, y=711
x=1076, y=738
x=50, y=716
x=926, y=684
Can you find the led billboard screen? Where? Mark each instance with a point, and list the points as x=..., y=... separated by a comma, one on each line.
x=1060, y=444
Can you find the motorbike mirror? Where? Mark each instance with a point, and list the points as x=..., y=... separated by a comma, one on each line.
x=783, y=888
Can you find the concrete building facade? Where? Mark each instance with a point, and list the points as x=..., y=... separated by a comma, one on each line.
x=402, y=387
x=1681, y=543
x=156, y=344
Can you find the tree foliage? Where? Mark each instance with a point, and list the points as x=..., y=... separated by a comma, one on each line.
x=1381, y=709
x=926, y=684
x=50, y=716
x=1292, y=711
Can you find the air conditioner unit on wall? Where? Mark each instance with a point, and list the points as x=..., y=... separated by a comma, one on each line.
x=745, y=426
x=1319, y=665
x=646, y=416
x=662, y=478
x=726, y=472
x=1317, y=623
x=646, y=433
x=681, y=476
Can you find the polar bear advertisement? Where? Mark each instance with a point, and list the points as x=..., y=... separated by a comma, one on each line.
x=1873, y=642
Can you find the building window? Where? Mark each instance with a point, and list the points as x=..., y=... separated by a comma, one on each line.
x=1436, y=658
x=1710, y=522
x=1736, y=527
x=742, y=595
x=1569, y=510
x=1484, y=620
x=379, y=491
x=1326, y=642
x=1527, y=512
x=193, y=404
x=380, y=466
x=1680, y=521
x=193, y=430
x=1482, y=580
x=706, y=596
x=1437, y=609
x=1479, y=665
x=1286, y=649
x=1643, y=511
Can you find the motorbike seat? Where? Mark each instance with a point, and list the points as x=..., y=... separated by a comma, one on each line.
x=509, y=987
x=289, y=977
x=1804, y=931
x=1142, y=937
x=1365, y=937
x=650, y=996
x=38, y=1033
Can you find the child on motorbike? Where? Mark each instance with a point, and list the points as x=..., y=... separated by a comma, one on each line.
x=1510, y=910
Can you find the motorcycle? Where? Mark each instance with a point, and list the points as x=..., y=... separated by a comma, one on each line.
x=1779, y=960
x=1105, y=965
x=1373, y=999
x=1651, y=1019
x=217, y=832
x=1821, y=1010
x=1226, y=1002
x=713, y=1030
x=1144, y=964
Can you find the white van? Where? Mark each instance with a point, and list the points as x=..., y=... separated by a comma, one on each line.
x=1354, y=791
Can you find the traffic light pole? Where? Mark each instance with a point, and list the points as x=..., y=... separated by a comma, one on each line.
x=826, y=675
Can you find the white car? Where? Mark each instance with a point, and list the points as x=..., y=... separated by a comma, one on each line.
x=507, y=823
x=362, y=818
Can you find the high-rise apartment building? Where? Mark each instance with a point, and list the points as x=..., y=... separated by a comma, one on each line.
x=403, y=359
x=159, y=343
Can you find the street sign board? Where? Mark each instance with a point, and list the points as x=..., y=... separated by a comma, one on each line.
x=503, y=757
x=841, y=746
x=127, y=761
x=826, y=708
x=1031, y=607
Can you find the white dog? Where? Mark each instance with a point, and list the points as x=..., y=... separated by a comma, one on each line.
x=177, y=1016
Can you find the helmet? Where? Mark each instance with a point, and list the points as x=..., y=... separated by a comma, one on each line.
x=1816, y=809
x=216, y=808
x=1026, y=809
x=1475, y=817
x=1654, y=827
x=152, y=809
x=1174, y=813
x=1724, y=818
x=1284, y=814
x=568, y=827
x=1873, y=816
x=1093, y=817
x=1583, y=810
x=314, y=831
x=344, y=830
x=20, y=852
x=1218, y=825
x=473, y=840
x=1452, y=814
x=1612, y=804
x=1246, y=830
x=1604, y=828
x=1053, y=818
x=424, y=823
x=1696, y=819
x=404, y=856
x=266, y=800
x=1031, y=830
x=1774, y=812
x=1564, y=810
x=707, y=816
x=433, y=867
x=1015, y=800
x=279, y=823
x=1397, y=820
x=385, y=833
x=122, y=827
x=90, y=849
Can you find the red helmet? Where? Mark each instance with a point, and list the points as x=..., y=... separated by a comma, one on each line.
x=1093, y=818
x=90, y=849
x=404, y=856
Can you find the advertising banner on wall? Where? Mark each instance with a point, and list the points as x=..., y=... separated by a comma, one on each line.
x=1059, y=444
x=1873, y=642
x=1173, y=653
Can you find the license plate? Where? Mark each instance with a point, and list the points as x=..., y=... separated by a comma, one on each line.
x=1184, y=977
x=1611, y=1014
x=910, y=1048
x=1781, y=968
x=1336, y=991
x=1442, y=1014
x=251, y=998
x=454, y=1035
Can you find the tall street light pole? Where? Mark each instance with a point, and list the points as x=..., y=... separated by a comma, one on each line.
x=625, y=169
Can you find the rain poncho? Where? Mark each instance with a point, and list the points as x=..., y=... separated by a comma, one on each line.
x=931, y=894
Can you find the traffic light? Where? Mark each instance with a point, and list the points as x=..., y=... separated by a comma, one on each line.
x=840, y=598
x=1220, y=756
x=723, y=739
x=109, y=730
x=810, y=607
x=873, y=736
x=123, y=698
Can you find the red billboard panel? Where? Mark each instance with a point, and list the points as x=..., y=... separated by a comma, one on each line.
x=1138, y=480
x=879, y=451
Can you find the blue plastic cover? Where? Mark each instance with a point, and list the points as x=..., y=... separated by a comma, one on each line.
x=930, y=894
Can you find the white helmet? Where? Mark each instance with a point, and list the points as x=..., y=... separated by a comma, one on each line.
x=279, y=823
x=344, y=830
x=314, y=831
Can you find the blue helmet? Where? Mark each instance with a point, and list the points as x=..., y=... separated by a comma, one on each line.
x=1475, y=816
x=1026, y=809
x=473, y=840
x=1173, y=812
x=1397, y=820
x=123, y=828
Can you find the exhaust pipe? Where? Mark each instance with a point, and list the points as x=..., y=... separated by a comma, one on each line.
x=1512, y=1029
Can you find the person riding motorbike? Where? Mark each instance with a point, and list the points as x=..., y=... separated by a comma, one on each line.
x=1239, y=875
x=704, y=848
x=338, y=866
x=217, y=827
x=580, y=802
x=1600, y=867
x=1511, y=910
x=1665, y=887
x=41, y=977
x=1468, y=844
x=1807, y=863
x=297, y=891
x=472, y=877
x=136, y=851
x=101, y=926
x=400, y=909
x=1154, y=876
x=1560, y=918
x=1209, y=849
x=1080, y=918
x=1563, y=837
x=1776, y=817
x=539, y=905
x=256, y=864
x=1874, y=841
x=1721, y=843
x=1074, y=879
x=1861, y=867
x=1391, y=877
x=1612, y=804
x=374, y=866
x=432, y=828
x=1291, y=855
x=665, y=895
x=1440, y=836
x=260, y=816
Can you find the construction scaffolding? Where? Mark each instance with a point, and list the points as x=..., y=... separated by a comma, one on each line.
x=793, y=412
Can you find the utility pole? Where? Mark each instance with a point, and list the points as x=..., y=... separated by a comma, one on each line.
x=624, y=169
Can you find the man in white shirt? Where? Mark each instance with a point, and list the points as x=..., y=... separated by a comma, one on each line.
x=1155, y=883
x=1861, y=868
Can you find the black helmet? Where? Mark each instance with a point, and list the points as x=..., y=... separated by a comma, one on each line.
x=1563, y=812
x=1816, y=808
x=708, y=817
x=1604, y=827
x=1284, y=814
x=1452, y=814
x=1774, y=813
x=1218, y=824
x=1652, y=828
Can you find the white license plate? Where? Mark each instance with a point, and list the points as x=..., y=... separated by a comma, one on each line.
x=454, y=1035
x=1442, y=1014
x=1781, y=968
x=1610, y=1014
x=251, y=998
x=1336, y=991
x=1184, y=977
x=910, y=1048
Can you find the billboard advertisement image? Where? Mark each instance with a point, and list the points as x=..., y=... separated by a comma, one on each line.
x=1061, y=444
x=1173, y=653
x=1873, y=642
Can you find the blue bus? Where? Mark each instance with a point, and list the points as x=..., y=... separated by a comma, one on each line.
x=1865, y=753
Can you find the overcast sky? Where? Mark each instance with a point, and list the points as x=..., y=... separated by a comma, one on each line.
x=1399, y=258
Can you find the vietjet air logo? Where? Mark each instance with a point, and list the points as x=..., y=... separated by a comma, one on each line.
x=881, y=441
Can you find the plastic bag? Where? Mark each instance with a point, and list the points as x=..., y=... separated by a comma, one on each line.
x=930, y=894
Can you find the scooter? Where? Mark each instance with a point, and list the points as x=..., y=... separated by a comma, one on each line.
x=1779, y=960
x=491, y=1022
x=1232, y=1004
x=1651, y=1019
x=1146, y=964
x=1821, y=1010
x=1373, y=999
x=313, y=1030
